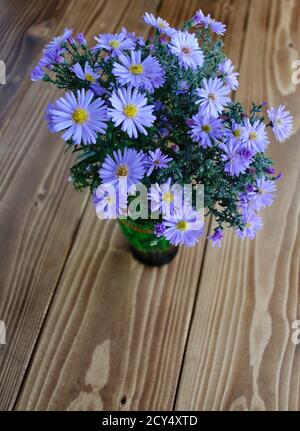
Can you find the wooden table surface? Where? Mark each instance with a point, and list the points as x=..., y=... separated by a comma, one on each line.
x=89, y=328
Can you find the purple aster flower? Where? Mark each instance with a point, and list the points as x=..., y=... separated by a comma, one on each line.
x=37, y=74
x=98, y=89
x=205, y=130
x=129, y=109
x=158, y=23
x=80, y=117
x=147, y=73
x=217, y=237
x=159, y=230
x=140, y=40
x=255, y=136
x=115, y=43
x=209, y=23
x=217, y=27
x=183, y=87
x=235, y=133
x=185, y=230
x=162, y=197
x=250, y=188
x=253, y=223
x=228, y=75
x=59, y=41
x=264, y=194
x=270, y=170
x=156, y=160
x=89, y=75
x=86, y=73
x=186, y=47
x=81, y=39
x=163, y=132
x=246, y=153
x=245, y=201
x=249, y=201
x=72, y=41
x=130, y=35
x=123, y=169
x=213, y=97
x=189, y=122
x=237, y=157
x=159, y=106
x=107, y=202
x=157, y=79
x=48, y=117
x=51, y=57
x=282, y=122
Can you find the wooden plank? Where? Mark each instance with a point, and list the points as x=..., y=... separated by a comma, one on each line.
x=25, y=26
x=113, y=327
x=240, y=355
x=116, y=332
x=40, y=212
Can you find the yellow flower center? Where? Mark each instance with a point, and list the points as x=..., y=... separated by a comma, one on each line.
x=122, y=171
x=253, y=136
x=80, y=115
x=168, y=197
x=110, y=200
x=278, y=122
x=206, y=128
x=186, y=50
x=114, y=43
x=162, y=24
x=89, y=77
x=182, y=225
x=248, y=225
x=130, y=111
x=136, y=69
x=237, y=133
x=157, y=162
x=212, y=96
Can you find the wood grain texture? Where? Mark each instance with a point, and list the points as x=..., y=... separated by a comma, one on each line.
x=40, y=212
x=25, y=27
x=88, y=328
x=116, y=332
x=239, y=354
x=133, y=319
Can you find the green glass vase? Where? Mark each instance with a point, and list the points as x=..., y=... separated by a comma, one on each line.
x=144, y=245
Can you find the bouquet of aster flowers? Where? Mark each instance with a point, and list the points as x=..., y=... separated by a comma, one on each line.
x=148, y=117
